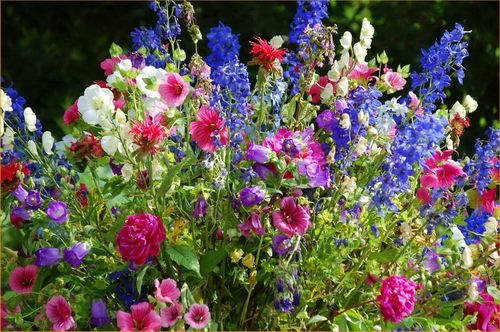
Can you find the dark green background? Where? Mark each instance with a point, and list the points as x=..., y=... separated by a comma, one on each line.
x=52, y=50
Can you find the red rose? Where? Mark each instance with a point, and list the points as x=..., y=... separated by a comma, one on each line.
x=141, y=237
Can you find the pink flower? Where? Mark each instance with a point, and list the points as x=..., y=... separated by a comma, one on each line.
x=5, y=312
x=59, y=313
x=108, y=65
x=293, y=218
x=143, y=318
x=442, y=171
x=170, y=315
x=208, y=131
x=317, y=88
x=119, y=103
x=252, y=225
x=141, y=237
x=198, y=316
x=167, y=290
x=415, y=103
x=22, y=279
x=394, y=80
x=488, y=200
x=397, y=298
x=488, y=313
x=71, y=114
x=173, y=89
x=362, y=72
x=424, y=195
x=148, y=135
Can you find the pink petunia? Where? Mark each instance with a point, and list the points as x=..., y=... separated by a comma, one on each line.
x=292, y=218
x=59, y=313
x=170, y=315
x=198, y=316
x=173, y=90
x=71, y=114
x=362, y=72
x=208, y=131
x=167, y=290
x=22, y=279
x=142, y=318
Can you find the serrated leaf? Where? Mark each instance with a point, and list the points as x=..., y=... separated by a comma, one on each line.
x=185, y=257
x=140, y=278
x=210, y=260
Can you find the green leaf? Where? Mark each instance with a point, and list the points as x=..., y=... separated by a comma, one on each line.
x=140, y=277
x=185, y=257
x=385, y=256
x=316, y=319
x=8, y=295
x=187, y=298
x=210, y=260
x=383, y=58
x=115, y=50
x=493, y=291
x=169, y=177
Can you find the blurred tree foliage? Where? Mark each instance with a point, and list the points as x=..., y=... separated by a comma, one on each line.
x=52, y=50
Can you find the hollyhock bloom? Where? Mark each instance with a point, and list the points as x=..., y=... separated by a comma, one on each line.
x=19, y=215
x=71, y=114
x=20, y=193
x=200, y=207
x=59, y=313
x=394, y=80
x=198, y=316
x=96, y=103
x=488, y=200
x=141, y=237
x=33, y=200
x=258, y=153
x=362, y=72
x=208, y=131
x=252, y=225
x=265, y=55
x=8, y=175
x=173, y=89
x=317, y=88
x=148, y=135
x=22, y=279
x=47, y=256
x=488, y=313
x=170, y=315
x=252, y=196
x=99, y=314
x=441, y=171
x=58, y=212
x=142, y=318
x=397, y=298
x=292, y=218
x=167, y=290
x=76, y=254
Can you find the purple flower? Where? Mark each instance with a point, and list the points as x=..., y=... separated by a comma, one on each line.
x=319, y=175
x=99, y=313
x=340, y=105
x=431, y=260
x=47, y=256
x=75, y=255
x=200, y=207
x=325, y=120
x=252, y=196
x=33, y=200
x=20, y=194
x=281, y=244
x=19, y=215
x=115, y=168
x=58, y=211
x=262, y=170
x=252, y=225
x=258, y=153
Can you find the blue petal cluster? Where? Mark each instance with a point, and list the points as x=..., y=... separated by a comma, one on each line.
x=224, y=46
x=123, y=285
x=475, y=226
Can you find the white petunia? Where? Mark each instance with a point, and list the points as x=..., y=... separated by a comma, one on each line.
x=110, y=144
x=96, y=104
x=47, y=142
x=127, y=171
x=149, y=80
x=32, y=148
x=114, y=78
x=124, y=65
x=30, y=119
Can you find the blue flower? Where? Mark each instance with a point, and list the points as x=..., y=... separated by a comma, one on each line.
x=224, y=46
x=475, y=226
x=145, y=37
x=480, y=167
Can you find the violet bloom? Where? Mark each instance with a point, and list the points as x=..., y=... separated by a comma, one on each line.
x=326, y=120
x=252, y=225
x=47, y=256
x=19, y=215
x=200, y=207
x=252, y=196
x=58, y=211
x=115, y=168
x=319, y=175
x=263, y=170
x=431, y=260
x=33, y=200
x=258, y=153
x=20, y=194
x=198, y=316
x=75, y=255
x=281, y=244
x=99, y=313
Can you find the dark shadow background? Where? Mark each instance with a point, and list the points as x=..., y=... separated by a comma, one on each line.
x=52, y=50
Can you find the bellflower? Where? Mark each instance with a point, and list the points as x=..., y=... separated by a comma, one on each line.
x=58, y=211
x=47, y=256
x=99, y=314
x=76, y=254
x=252, y=195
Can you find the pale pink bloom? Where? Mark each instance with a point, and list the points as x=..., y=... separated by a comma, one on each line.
x=22, y=278
x=198, y=316
x=170, y=315
x=414, y=103
x=173, y=90
x=394, y=80
x=142, y=318
x=167, y=290
x=59, y=313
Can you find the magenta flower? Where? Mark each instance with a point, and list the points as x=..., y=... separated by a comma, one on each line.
x=170, y=315
x=58, y=211
x=19, y=215
x=142, y=318
x=292, y=219
x=252, y=225
x=208, y=131
x=167, y=290
x=22, y=279
x=397, y=298
x=59, y=313
x=487, y=312
x=252, y=196
x=198, y=316
x=173, y=90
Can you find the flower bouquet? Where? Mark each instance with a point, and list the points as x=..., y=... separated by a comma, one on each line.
x=325, y=194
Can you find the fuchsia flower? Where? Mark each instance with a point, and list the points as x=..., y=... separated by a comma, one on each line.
x=22, y=279
x=173, y=90
x=488, y=200
x=167, y=290
x=394, y=79
x=208, y=131
x=362, y=72
x=397, y=298
x=252, y=225
x=317, y=88
x=292, y=218
x=488, y=313
x=142, y=318
x=170, y=315
x=59, y=313
x=148, y=135
x=71, y=114
x=415, y=103
x=198, y=316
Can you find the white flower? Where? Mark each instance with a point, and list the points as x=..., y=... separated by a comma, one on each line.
x=349, y=184
x=149, y=80
x=473, y=292
x=361, y=146
x=344, y=59
x=458, y=236
x=127, y=171
x=157, y=169
x=334, y=73
x=457, y=108
x=470, y=104
x=449, y=143
x=32, y=148
x=60, y=147
x=468, y=261
x=155, y=106
x=276, y=41
x=8, y=139
x=327, y=92
x=360, y=52
x=343, y=86
x=346, y=40
x=110, y=144
x=114, y=78
x=125, y=65
x=5, y=102
x=47, y=142
x=491, y=226
x=96, y=103
x=120, y=117
x=366, y=34
x=30, y=119
x=345, y=121
x=372, y=131
x=363, y=118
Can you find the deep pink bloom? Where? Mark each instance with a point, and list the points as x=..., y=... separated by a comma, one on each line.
x=148, y=135
x=394, y=79
x=317, y=88
x=208, y=131
x=252, y=225
x=5, y=311
x=424, y=195
x=71, y=114
x=173, y=90
x=292, y=218
x=59, y=313
x=167, y=290
x=22, y=278
x=442, y=170
x=170, y=315
x=142, y=318
x=397, y=298
x=488, y=200
x=119, y=103
x=198, y=316
x=488, y=313
x=108, y=65
x=141, y=237
x=362, y=72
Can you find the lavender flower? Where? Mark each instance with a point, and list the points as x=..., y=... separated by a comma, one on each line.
x=33, y=200
x=252, y=196
x=99, y=313
x=20, y=194
x=431, y=260
x=281, y=244
x=58, y=212
x=201, y=207
x=47, y=257
x=75, y=255
x=258, y=153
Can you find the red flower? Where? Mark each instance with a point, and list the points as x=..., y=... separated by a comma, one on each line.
x=458, y=124
x=317, y=88
x=209, y=131
x=488, y=200
x=148, y=135
x=87, y=146
x=71, y=114
x=81, y=195
x=8, y=175
x=265, y=54
x=22, y=278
